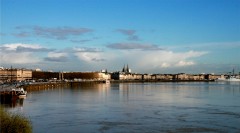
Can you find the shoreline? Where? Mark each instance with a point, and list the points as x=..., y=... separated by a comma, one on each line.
x=50, y=85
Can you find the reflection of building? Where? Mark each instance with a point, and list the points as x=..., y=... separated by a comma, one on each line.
x=12, y=103
x=15, y=74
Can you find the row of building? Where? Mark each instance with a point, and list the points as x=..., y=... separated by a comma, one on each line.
x=7, y=75
x=10, y=74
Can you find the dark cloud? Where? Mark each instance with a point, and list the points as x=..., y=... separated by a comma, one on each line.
x=126, y=32
x=26, y=49
x=129, y=46
x=59, y=33
x=2, y=34
x=133, y=38
x=21, y=27
x=98, y=60
x=21, y=34
x=80, y=41
x=130, y=33
x=2, y=48
x=56, y=59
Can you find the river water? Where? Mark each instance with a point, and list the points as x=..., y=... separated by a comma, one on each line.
x=135, y=108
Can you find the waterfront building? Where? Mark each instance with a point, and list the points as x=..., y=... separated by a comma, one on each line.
x=212, y=77
x=146, y=77
x=104, y=76
x=71, y=76
x=8, y=75
x=126, y=74
x=160, y=76
x=120, y=76
x=181, y=76
x=168, y=77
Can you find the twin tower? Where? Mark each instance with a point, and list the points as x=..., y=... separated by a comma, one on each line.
x=126, y=69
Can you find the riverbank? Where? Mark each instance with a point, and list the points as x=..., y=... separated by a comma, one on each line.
x=134, y=81
x=14, y=123
x=50, y=85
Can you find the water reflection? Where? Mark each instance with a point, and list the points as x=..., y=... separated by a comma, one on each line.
x=18, y=102
x=136, y=107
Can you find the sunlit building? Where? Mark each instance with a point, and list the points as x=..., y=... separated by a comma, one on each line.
x=8, y=75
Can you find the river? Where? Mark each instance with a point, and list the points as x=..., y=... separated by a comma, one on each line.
x=135, y=108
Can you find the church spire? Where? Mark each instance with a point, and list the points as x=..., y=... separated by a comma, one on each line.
x=123, y=70
x=127, y=69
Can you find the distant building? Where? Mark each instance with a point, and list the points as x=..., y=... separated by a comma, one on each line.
x=212, y=77
x=38, y=70
x=180, y=76
x=104, y=76
x=7, y=75
x=125, y=74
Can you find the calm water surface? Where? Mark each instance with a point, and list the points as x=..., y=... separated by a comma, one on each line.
x=135, y=108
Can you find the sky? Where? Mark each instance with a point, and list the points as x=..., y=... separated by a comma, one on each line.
x=151, y=36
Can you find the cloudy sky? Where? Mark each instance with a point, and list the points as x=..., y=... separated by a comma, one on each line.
x=151, y=36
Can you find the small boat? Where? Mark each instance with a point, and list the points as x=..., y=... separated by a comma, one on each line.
x=11, y=92
x=232, y=78
x=229, y=77
x=107, y=81
x=20, y=92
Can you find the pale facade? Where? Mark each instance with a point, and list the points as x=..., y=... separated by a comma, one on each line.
x=181, y=76
x=7, y=75
x=104, y=76
x=126, y=76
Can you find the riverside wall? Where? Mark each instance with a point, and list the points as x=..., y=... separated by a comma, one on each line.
x=52, y=85
x=74, y=84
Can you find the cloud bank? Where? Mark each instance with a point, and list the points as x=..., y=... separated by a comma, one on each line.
x=141, y=57
x=130, y=46
x=131, y=34
x=19, y=53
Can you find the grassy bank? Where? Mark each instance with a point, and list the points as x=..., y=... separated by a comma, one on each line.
x=14, y=123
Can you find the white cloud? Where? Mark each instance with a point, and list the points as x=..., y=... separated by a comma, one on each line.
x=185, y=63
x=57, y=57
x=13, y=47
x=95, y=59
x=56, y=54
x=19, y=53
x=18, y=58
x=89, y=56
x=165, y=65
x=143, y=60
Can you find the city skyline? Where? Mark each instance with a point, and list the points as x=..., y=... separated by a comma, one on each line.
x=157, y=36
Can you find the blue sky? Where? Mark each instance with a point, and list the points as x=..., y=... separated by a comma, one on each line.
x=152, y=36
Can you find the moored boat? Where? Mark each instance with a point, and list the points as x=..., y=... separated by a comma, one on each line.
x=20, y=92
x=229, y=77
x=107, y=81
x=12, y=91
